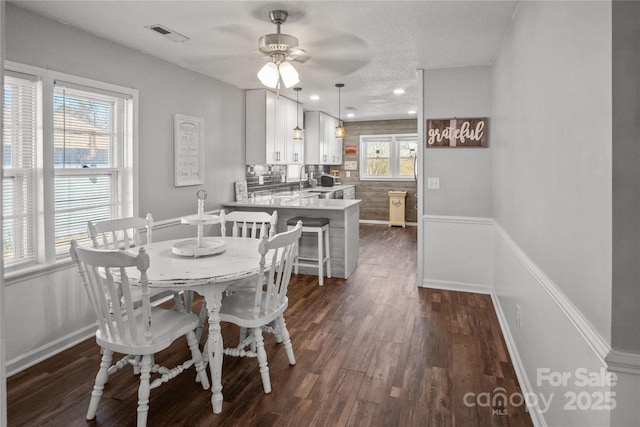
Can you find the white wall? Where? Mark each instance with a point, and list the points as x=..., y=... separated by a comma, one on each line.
x=51, y=307
x=465, y=173
x=552, y=147
x=552, y=191
x=626, y=176
x=456, y=226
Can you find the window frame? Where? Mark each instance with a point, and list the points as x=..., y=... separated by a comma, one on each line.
x=394, y=156
x=44, y=236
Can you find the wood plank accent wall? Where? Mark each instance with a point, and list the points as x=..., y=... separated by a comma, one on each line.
x=375, y=200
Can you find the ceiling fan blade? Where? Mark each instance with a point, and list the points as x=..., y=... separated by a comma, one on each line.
x=341, y=53
x=299, y=55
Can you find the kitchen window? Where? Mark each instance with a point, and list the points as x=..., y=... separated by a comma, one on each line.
x=68, y=158
x=388, y=157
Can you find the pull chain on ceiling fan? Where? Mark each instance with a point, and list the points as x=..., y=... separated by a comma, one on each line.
x=278, y=46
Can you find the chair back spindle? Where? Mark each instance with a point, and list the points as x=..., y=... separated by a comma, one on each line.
x=121, y=233
x=252, y=224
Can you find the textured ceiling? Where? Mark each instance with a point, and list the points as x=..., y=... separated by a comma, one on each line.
x=373, y=47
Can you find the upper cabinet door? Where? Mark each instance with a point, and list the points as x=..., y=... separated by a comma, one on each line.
x=321, y=145
x=265, y=128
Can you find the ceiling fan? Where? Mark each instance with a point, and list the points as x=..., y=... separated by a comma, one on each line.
x=282, y=49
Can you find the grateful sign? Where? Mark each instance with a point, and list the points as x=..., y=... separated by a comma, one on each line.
x=457, y=132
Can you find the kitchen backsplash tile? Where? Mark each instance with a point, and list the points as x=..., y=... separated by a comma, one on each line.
x=272, y=178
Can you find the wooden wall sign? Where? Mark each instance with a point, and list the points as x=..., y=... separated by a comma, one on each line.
x=457, y=132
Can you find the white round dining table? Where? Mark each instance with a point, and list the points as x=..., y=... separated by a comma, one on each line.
x=209, y=276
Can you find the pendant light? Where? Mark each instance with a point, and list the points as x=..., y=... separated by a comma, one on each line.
x=340, y=128
x=297, y=132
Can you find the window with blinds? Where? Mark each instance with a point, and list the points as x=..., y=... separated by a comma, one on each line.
x=387, y=157
x=68, y=145
x=19, y=139
x=93, y=165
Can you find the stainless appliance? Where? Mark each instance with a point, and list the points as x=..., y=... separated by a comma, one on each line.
x=327, y=180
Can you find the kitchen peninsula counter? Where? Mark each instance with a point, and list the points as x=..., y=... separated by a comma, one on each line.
x=343, y=215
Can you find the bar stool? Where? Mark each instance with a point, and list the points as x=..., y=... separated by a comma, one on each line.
x=321, y=227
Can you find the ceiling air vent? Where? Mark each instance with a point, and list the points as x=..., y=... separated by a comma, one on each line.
x=168, y=33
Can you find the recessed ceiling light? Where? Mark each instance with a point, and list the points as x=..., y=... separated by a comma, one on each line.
x=398, y=91
x=411, y=111
x=314, y=97
x=350, y=115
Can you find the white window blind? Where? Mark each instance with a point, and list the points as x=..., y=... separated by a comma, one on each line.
x=92, y=158
x=19, y=139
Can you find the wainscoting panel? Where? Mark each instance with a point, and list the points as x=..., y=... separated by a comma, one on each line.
x=551, y=345
x=458, y=253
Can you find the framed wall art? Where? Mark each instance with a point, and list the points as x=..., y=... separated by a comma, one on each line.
x=188, y=150
x=457, y=132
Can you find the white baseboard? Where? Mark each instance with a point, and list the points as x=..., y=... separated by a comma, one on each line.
x=537, y=418
x=456, y=286
x=376, y=221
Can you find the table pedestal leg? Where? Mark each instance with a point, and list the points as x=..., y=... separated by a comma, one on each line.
x=214, y=346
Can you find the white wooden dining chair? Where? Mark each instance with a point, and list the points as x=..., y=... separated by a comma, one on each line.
x=125, y=233
x=242, y=224
x=251, y=224
x=138, y=333
x=121, y=233
x=262, y=308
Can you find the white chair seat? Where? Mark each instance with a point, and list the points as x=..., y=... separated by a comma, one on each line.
x=234, y=309
x=167, y=326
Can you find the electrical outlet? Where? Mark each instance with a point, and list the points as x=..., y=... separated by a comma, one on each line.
x=283, y=178
x=348, y=174
x=433, y=183
x=518, y=316
x=261, y=180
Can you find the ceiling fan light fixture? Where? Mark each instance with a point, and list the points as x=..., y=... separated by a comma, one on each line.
x=288, y=74
x=269, y=75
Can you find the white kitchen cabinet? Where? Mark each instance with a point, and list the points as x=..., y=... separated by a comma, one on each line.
x=270, y=120
x=321, y=145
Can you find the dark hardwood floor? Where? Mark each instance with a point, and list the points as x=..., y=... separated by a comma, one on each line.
x=373, y=350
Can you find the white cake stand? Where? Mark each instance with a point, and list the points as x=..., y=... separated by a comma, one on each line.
x=201, y=246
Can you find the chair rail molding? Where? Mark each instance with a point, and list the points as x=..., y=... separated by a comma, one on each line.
x=598, y=344
x=621, y=361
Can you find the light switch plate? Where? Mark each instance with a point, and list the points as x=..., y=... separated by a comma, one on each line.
x=433, y=183
x=261, y=180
